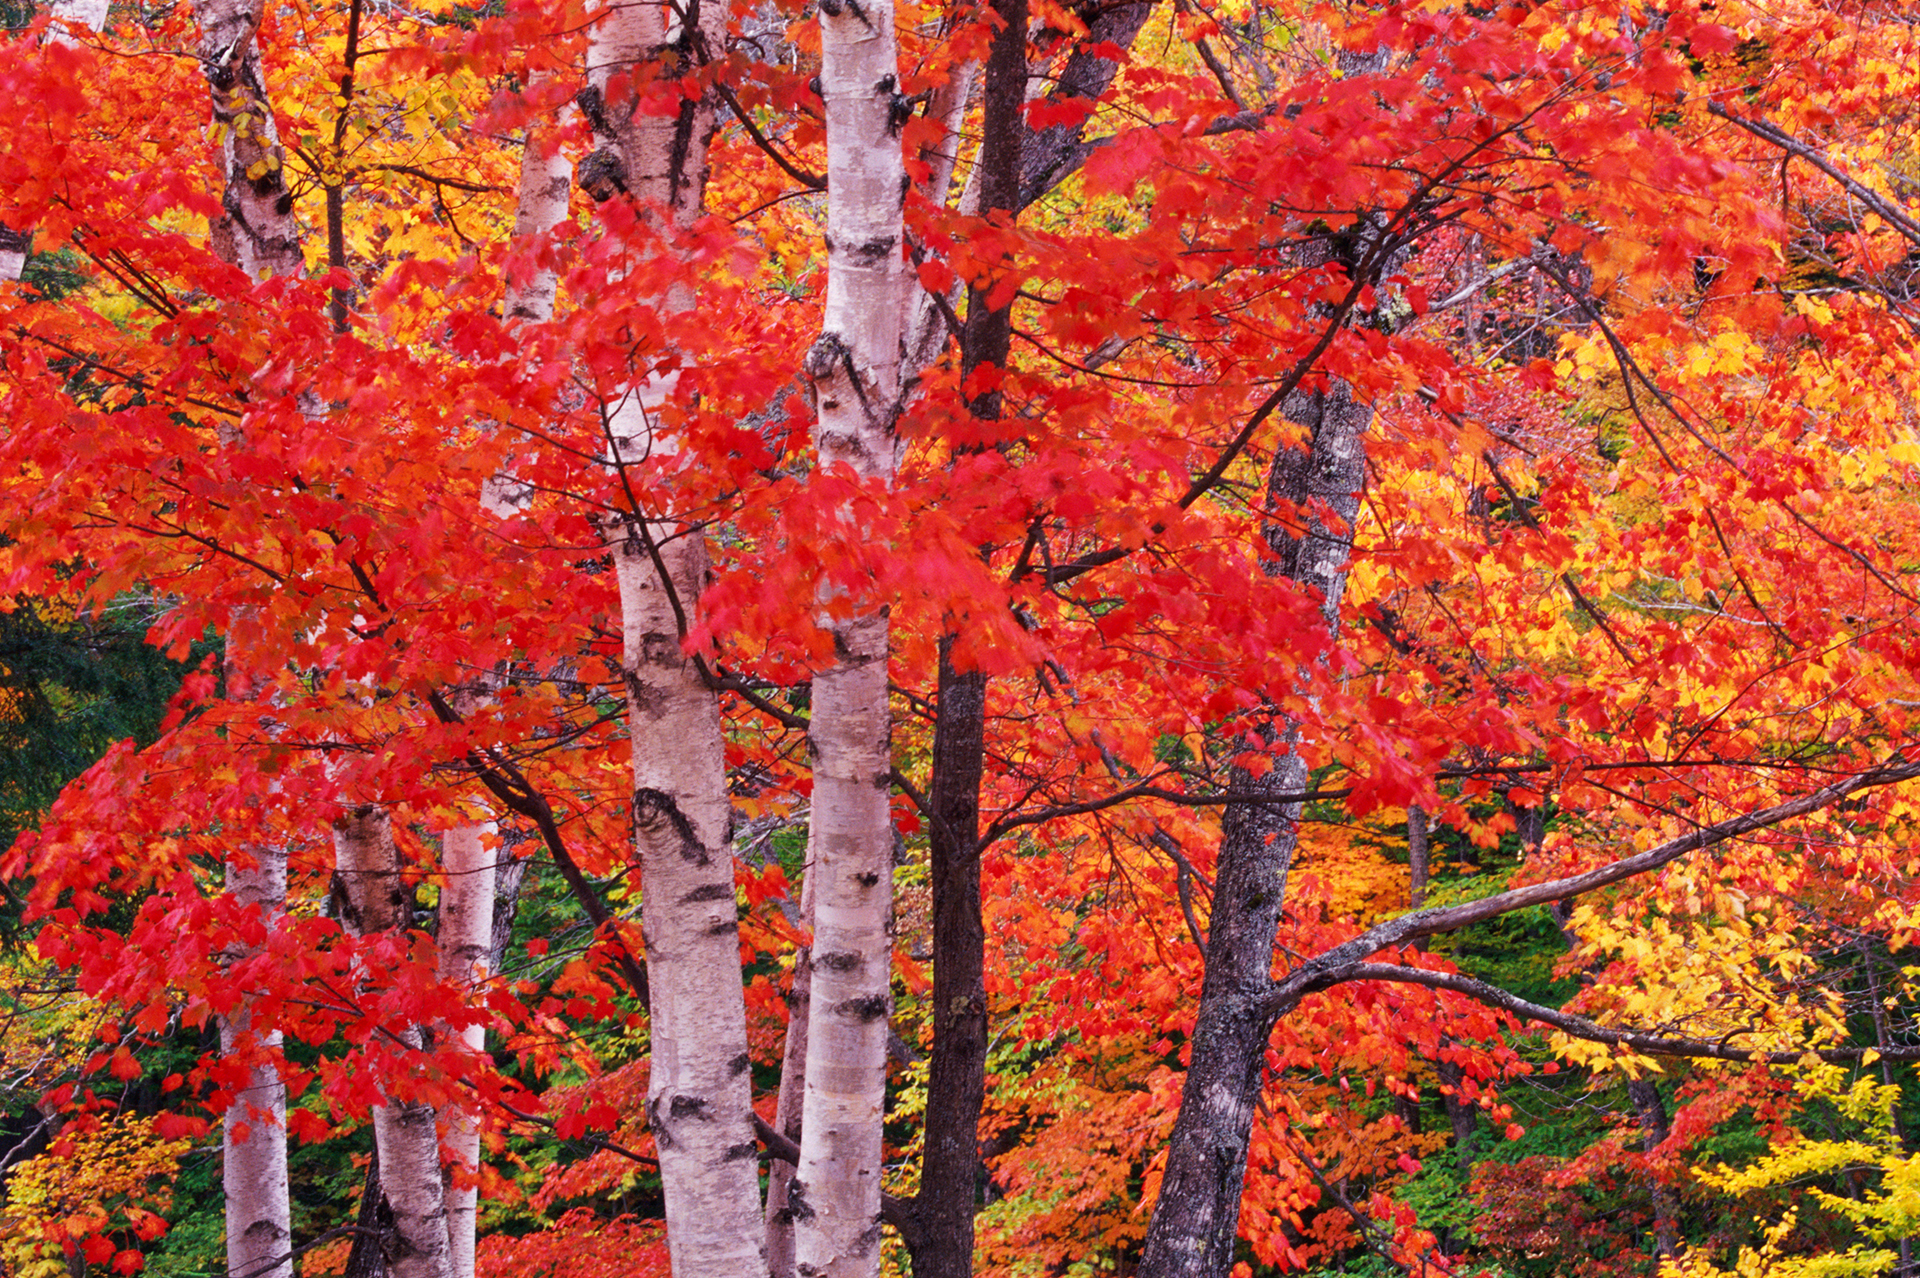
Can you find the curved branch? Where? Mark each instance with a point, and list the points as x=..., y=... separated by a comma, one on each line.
x=1593, y=1032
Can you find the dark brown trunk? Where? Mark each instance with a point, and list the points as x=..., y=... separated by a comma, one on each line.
x=1462, y=1114
x=941, y=1242
x=1053, y=153
x=368, y=1256
x=1418, y=844
x=956, y=1074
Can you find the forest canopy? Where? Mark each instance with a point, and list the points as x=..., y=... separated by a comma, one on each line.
x=1005, y=637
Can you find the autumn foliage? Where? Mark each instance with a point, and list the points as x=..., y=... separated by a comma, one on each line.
x=1624, y=292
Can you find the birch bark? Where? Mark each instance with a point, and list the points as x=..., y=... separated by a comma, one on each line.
x=700, y=1101
x=465, y=942
x=253, y=1172
x=781, y=1256
x=463, y=945
x=854, y=367
x=258, y=233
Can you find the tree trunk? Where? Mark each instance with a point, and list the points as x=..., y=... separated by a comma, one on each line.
x=257, y=231
x=956, y=1077
x=1650, y=1108
x=1462, y=1115
x=1419, y=844
x=1195, y=1221
x=942, y=1238
x=700, y=1100
x=367, y=1258
x=855, y=370
x=372, y=898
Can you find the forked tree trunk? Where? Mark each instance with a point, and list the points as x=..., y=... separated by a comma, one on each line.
x=1196, y=1219
x=700, y=1100
x=854, y=367
x=373, y=898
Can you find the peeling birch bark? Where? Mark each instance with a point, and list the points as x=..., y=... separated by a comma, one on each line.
x=700, y=1098
x=855, y=370
x=372, y=898
x=257, y=231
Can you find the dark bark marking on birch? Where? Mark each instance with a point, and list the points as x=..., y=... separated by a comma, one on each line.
x=655, y=812
x=872, y=1007
x=689, y=1107
x=838, y=961
x=797, y=1208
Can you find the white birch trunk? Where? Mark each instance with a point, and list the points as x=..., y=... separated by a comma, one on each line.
x=462, y=946
x=855, y=370
x=700, y=1099
x=464, y=941
x=372, y=898
x=254, y=1153
x=254, y=1171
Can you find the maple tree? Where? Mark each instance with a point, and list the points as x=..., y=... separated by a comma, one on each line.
x=1108, y=454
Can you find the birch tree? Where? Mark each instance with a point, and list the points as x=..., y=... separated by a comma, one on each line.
x=258, y=233
x=854, y=368
x=700, y=1105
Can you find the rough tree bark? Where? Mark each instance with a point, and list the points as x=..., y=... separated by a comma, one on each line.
x=1195, y=1221
x=854, y=368
x=700, y=1103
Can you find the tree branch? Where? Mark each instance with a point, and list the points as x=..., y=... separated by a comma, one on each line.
x=1581, y=1027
